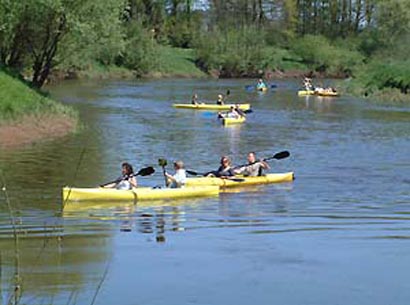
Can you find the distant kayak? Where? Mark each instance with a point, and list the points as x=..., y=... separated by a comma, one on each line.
x=262, y=89
x=306, y=92
x=317, y=92
x=212, y=106
x=231, y=121
x=327, y=93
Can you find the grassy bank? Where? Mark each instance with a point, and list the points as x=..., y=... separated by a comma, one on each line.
x=27, y=116
x=176, y=62
x=166, y=62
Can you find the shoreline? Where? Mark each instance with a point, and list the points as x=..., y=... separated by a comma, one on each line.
x=33, y=129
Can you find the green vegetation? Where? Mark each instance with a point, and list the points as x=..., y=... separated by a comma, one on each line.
x=178, y=62
x=367, y=40
x=17, y=100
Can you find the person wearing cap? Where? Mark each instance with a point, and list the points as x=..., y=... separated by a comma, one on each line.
x=220, y=100
x=179, y=178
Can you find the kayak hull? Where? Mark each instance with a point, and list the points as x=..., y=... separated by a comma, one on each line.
x=262, y=89
x=232, y=121
x=328, y=94
x=136, y=194
x=306, y=92
x=319, y=93
x=266, y=179
x=214, y=107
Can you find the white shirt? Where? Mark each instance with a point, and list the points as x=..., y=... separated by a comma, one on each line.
x=180, y=178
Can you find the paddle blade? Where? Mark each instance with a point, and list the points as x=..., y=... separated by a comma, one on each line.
x=248, y=111
x=273, y=86
x=249, y=87
x=162, y=162
x=146, y=171
x=281, y=155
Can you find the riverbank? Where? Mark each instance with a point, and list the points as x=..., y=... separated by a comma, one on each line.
x=27, y=116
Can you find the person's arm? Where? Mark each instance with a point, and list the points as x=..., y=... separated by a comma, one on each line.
x=264, y=164
x=133, y=181
x=170, y=179
x=240, y=170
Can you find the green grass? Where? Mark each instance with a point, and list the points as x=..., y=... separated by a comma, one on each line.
x=17, y=99
x=178, y=62
x=96, y=70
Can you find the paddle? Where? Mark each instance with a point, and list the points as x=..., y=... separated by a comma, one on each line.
x=226, y=95
x=163, y=163
x=193, y=173
x=142, y=172
x=278, y=156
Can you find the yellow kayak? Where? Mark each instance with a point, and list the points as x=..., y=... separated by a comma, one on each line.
x=212, y=106
x=262, y=89
x=231, y=121
x=327, y=93
x=306, y=92
x=136, y=194
x=266, y=179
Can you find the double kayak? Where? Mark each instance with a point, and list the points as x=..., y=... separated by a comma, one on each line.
x=71, y=194
x=327, y=93
x=212, y=106
x=232, y=121
x=239, y=181
x=319, y=93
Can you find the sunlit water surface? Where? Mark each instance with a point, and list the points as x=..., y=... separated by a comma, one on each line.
x=339, y=234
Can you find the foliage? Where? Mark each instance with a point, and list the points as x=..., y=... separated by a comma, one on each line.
x=233, y=38
x=141, y=50
x=381, y=74
x=177, y=61
x=40, y=27
x=17, y=99
x=321, y=55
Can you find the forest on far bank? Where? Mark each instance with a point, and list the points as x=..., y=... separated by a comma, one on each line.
x=367, y=40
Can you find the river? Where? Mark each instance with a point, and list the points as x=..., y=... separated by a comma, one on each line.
x=338, y=234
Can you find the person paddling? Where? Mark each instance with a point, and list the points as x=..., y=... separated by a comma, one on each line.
x=254, y=168
x=179, y=178
x=225, y=170
x=233, y=113
x=194, y=100
x=220, y=100
x=261, y=85
x=126, y=181
x=307, y=83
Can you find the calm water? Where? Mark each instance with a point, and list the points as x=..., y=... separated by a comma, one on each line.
x=339, y=234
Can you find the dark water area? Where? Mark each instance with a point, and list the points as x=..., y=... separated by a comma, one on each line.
x=338, y=234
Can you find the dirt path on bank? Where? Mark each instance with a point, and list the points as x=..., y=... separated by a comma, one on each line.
x=32, y=129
